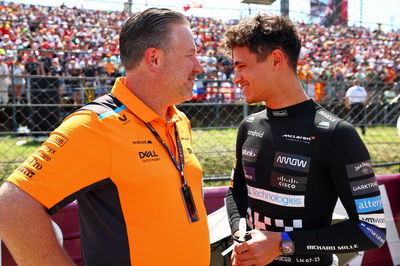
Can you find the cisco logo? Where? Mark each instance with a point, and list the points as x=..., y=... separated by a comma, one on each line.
x=288, y=182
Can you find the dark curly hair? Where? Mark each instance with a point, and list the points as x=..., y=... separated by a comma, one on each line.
x=263, y=34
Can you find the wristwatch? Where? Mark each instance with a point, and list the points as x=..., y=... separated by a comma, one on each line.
x=287, y=245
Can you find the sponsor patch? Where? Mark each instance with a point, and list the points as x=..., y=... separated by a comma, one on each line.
x=288, y=182
x=365, y=186
x=373, y=233
x=276, y=198
x=58, y=139
x=323, y=124
x=283, y=258
x=148, y=156
x=142, y=142
x=32, y=161
x=292, y=161
x=43, y=155
x=280, y=113
x=250, y=119
x=27, y=172
x=48, y=149
x=376, y=219
x=343, y=247
x=250, y=154
x=359, y=169
x=298, y=138
x=327, y=116
x=249, y=173
x=255, y=133
x=366, y=205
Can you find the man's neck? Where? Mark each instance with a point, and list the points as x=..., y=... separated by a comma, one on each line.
x=289, y=92
x=144, y=90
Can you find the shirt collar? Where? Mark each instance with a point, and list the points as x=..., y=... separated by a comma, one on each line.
x=137, y=107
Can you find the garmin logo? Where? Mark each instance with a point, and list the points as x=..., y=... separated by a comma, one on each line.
x=327, y=116
x=368, y=204
x=359, y=169
x=255, y=133
x=287, y=182
x=275, y=198
x=147, y=154
x=280, y=113
x=292, y=161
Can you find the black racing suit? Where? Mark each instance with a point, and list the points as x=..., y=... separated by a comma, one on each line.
x=291, y=166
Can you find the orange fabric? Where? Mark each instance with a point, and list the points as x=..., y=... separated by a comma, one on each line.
x=87, y=148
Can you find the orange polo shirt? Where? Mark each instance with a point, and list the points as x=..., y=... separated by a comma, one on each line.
x=127, y=187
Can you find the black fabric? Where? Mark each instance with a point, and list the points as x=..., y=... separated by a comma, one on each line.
x=104, y=238
x=292, y=165
x=102, y=104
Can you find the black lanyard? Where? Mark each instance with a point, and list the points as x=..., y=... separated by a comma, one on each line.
x=185, y=189
x=178, y=166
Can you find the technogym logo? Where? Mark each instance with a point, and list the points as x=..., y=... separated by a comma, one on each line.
x=275, y=198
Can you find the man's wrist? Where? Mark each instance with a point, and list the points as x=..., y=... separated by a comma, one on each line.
x=286, y=246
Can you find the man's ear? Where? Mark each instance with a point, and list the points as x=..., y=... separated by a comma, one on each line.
x=153, y=58
x=278, y=59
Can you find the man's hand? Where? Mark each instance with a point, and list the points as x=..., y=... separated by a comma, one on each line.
x=261, y=249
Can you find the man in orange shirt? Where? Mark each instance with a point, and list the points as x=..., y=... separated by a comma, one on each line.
x=126, y=157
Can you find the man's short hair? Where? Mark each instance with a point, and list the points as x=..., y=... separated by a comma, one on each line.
x=263, y=34
x=150, y=28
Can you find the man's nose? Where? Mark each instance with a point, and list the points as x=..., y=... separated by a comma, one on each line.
x=197, y=68
x=237, y=77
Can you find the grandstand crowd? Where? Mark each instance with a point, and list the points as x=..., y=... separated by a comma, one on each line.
x=72, y=42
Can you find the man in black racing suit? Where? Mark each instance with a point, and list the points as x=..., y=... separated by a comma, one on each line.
x=294, y=160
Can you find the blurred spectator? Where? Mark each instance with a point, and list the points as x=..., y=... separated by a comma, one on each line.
x=18, y=83
x=355, y=101
x=4, y=81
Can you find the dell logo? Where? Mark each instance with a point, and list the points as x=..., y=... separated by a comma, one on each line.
x=147, y=154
